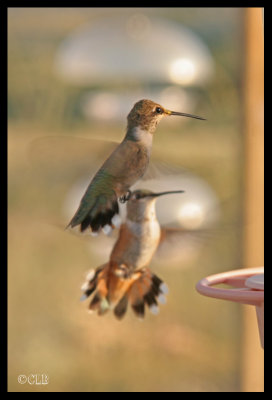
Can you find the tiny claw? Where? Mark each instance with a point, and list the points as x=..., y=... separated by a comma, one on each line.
x=123, y=199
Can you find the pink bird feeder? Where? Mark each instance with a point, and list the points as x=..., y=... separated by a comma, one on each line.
x=248, y=289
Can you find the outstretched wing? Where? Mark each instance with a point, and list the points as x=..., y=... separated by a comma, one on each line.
x=61, y=169
x=63, y=166
x=175, y=242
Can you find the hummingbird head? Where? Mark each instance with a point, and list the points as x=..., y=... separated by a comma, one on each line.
x=146, y=115
x=142, y=202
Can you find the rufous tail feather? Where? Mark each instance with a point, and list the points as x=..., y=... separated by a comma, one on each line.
x=112, y=290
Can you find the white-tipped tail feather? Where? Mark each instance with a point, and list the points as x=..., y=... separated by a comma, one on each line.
x=164, y=288
x=107, y=229
x=162, y=299
x=154, y=309
x=111, y=291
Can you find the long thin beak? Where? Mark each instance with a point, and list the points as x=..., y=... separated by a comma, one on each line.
x=183, y=114
x=163, y=193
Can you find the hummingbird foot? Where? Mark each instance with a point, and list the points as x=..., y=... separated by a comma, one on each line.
x=123, y=199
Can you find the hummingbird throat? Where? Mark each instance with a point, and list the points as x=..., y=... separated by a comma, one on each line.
x=138, y=134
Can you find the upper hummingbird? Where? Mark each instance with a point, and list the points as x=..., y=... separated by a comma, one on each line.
x=126, y=278
x=123, y=168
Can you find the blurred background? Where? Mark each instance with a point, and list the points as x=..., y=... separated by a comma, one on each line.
x=73, y=76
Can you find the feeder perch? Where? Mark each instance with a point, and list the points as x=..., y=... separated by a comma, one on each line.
x=248, y=289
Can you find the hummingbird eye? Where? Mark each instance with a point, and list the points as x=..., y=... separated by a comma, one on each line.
x=158, y=110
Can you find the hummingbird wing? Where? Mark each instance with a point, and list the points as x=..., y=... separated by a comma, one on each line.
x=60, y=160
x=182, y=243
x=68, y=156
x=71, y=157
x=158, y=169
x=123, y=168
x=61, y=168
x=171, y=237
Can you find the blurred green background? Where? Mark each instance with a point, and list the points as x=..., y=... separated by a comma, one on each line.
x=193, y=344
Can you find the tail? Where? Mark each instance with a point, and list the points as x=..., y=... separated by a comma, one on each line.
x=110, y=289
x=147, y=289
x=96, y=212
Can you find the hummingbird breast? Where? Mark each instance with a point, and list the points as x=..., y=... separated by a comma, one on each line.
x=137, y=243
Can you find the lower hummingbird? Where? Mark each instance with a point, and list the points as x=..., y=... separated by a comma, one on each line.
x=123, y=168
x=125, y=278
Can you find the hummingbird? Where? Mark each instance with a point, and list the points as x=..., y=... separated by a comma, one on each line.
x=122, y=169
x=125, y=278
